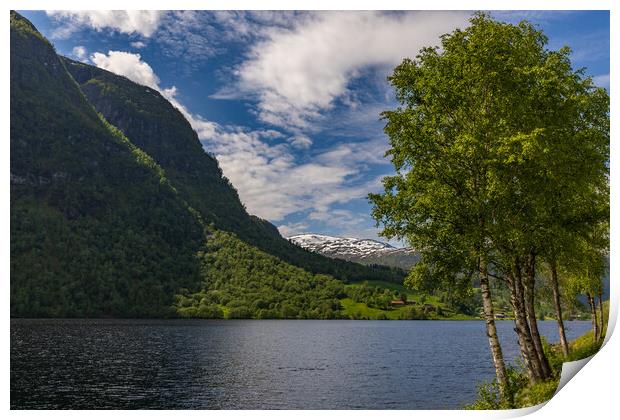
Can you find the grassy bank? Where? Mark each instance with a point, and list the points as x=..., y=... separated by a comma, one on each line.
x=360, y=305
x=520, y=392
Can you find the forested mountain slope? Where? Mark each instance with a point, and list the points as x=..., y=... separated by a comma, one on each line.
x=105, y=225
x=96, y=228
x=158, y=128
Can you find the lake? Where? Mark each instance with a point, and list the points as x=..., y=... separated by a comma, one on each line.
x=248, y=364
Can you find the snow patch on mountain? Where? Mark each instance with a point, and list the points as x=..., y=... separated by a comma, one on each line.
x=365, y=251
x=319, y=243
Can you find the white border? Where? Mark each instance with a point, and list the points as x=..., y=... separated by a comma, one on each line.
x=591, y=393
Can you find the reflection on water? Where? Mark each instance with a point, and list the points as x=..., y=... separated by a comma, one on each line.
x=278, y=364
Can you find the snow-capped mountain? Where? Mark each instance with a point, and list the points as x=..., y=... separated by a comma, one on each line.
x=364, y=251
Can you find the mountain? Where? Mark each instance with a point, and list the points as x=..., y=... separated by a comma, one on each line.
x=96, y=227
x=158, y=128
x=364, y=251
x=117, y=211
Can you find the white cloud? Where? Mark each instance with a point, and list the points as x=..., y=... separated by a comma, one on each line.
x=296, y=74
x=138, y=44
x=188, y=35
x=361, y=153
x=79, y=52
x=143, y=22
x=273, y=183
x=301, y=141
x=270, y=180
x=254, y=23
x=129, y=65
x=194, y=36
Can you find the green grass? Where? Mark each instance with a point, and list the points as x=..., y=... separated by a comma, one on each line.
x=585, y=346
x=358, y=310
x=411, y=296
x=362, y=311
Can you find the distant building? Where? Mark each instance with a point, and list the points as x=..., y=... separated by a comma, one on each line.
x=398, y=303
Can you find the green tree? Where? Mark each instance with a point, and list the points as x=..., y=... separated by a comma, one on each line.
x=487, y=123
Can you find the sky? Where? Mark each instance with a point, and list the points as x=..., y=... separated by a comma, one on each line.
x=289, y=102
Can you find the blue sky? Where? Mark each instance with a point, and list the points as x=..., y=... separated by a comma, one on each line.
x=289, y=102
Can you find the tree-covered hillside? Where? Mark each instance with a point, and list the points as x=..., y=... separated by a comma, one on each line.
x=241, y=281
x=158, y=128
x=96, y=228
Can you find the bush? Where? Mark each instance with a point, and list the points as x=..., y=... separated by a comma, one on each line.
x=210, y=312
x=489, y=396
x=583, y=347
x=554, y=355
x=412, y=313
x=189, y=312
x=537, y=394
x=239, y=312
x=267, y=314
x=288, y=311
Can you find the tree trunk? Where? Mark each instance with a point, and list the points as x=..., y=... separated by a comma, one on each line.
x=530, y=279
x=489, y=318
x=522, y=328
x=600, y=308
x=558, y=307
x=593, y=314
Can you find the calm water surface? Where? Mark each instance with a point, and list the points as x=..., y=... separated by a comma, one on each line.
x=279, y=364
